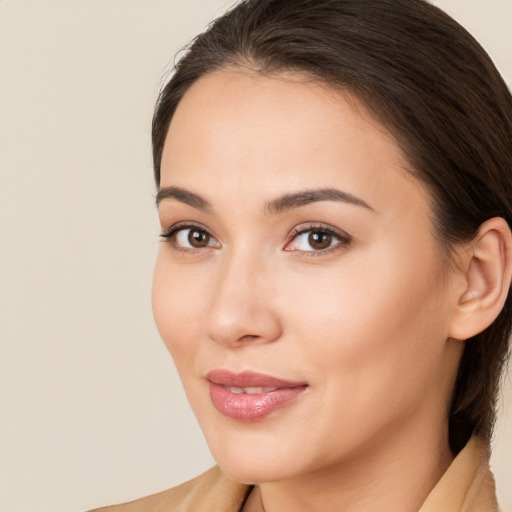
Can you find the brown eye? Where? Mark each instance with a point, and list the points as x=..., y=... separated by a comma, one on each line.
x=198, y=238
x=190, y=237
x=319, y=240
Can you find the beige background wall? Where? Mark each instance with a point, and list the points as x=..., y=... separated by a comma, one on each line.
x=91, y=410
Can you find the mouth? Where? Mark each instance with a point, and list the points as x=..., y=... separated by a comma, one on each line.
x=249, y=396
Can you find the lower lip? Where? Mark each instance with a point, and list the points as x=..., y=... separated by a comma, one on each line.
x=247, y=408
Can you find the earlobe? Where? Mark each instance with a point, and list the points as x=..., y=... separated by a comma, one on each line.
x=487, y=271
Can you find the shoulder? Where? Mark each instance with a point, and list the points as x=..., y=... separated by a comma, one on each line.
x=211, y=491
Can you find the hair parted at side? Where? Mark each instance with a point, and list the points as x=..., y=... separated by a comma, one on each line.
x=431, y=84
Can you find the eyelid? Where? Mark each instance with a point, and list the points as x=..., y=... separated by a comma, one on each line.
x=169, y=234
x=344, y=238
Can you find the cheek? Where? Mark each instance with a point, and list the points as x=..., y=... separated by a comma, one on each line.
x=376, y=312
x=373, y=343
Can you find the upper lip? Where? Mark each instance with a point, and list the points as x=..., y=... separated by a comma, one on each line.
x=249, y=379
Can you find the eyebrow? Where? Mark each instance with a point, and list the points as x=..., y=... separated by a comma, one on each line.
x=184, y=196
x=283, y=203
x=296, y=200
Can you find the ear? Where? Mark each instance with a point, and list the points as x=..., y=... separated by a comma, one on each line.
x=487, y=268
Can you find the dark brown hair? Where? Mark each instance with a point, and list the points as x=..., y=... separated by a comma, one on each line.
x=431, y=84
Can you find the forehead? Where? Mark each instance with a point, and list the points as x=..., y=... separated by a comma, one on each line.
x=248, y=133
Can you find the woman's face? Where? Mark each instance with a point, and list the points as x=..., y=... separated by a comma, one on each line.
x=299, y=287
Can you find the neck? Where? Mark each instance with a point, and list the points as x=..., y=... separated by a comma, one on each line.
x=397, y=477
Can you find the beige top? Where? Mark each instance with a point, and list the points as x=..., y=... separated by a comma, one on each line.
x=467, y=486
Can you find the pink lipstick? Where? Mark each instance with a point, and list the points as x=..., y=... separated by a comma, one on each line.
x=250, y=396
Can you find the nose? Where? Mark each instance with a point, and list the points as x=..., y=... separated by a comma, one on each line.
x=242, y=308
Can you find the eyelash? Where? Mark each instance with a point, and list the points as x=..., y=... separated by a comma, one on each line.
x=169, y=236
x=344, y=239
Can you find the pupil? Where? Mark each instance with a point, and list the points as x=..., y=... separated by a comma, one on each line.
x=198, y=238
x=319, y=240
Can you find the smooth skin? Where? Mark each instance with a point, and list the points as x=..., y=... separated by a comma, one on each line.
x=346, y=291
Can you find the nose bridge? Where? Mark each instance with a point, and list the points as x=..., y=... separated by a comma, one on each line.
x=241, y=308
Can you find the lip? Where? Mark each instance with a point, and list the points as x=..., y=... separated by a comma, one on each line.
x=253, y=406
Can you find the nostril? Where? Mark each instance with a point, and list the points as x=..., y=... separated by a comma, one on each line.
x=249, y=337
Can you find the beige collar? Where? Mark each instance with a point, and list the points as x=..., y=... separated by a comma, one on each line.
x=467, y=485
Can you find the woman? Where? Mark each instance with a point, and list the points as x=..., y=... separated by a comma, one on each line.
x=334, y=190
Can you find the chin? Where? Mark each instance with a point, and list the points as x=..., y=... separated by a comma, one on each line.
x=253, y=459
